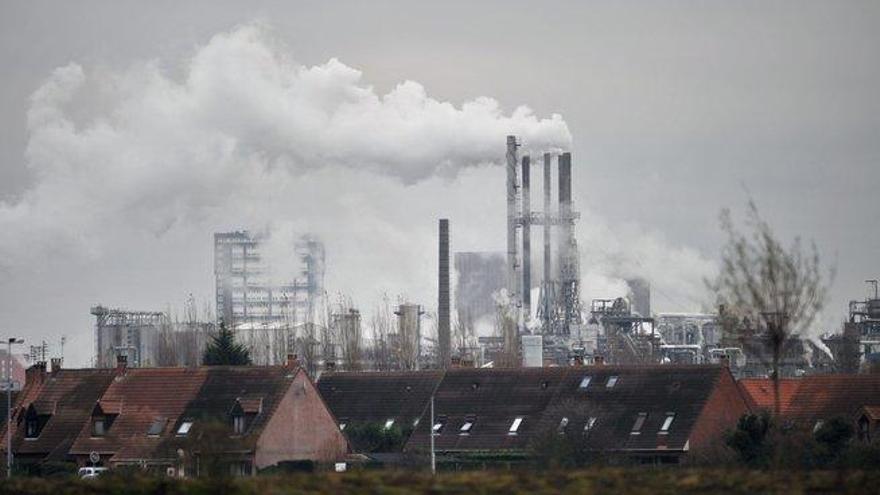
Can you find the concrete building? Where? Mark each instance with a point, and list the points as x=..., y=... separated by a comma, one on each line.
x=249, y=291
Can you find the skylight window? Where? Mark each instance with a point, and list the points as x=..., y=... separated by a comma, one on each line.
x=640, y=421
x=466, y=427
x=585, y=382
x=389, y=423
x=563, y=423
x=612, y=381
x=156, y=427
x=184, y=428
x=667, y=422
x=342, y=426
x=514, y=427
x=591, y=422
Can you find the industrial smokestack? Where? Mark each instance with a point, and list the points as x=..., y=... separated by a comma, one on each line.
x=565, y=220
x=512, y=278
x=443, y=325
x=526, y=239
x=548, y=284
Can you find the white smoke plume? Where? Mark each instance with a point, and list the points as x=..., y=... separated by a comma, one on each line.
x=135, y=168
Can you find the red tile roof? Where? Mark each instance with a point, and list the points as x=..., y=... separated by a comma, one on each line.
x=759, y=392
x=67, y=397
x=147, y=394
x=814, y=397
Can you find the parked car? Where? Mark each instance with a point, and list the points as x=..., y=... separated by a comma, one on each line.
x=91, y=472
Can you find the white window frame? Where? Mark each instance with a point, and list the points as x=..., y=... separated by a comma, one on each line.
x=514, y=427
x=639, y=424
x=239, y=423
x=183, y=429
x=585, y=382
x=667, y=423
x=563, y=424
x=466, y=427
x=590, y=424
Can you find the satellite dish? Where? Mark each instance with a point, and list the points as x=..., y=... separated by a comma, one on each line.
x=94, y=457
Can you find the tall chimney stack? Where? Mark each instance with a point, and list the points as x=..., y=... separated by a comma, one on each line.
x=443, y=324
x=512, y=276
x=564, y=210
x=526, y=239
x=548, y=284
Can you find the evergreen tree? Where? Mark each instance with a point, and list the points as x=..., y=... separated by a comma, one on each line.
x=223, y=350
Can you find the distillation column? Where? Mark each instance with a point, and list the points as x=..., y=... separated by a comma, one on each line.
x=526, y=240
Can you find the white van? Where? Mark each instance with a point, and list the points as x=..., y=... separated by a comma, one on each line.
x=91, y=472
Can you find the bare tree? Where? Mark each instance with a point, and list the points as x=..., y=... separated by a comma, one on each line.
x=380, y=326
x=767, y=293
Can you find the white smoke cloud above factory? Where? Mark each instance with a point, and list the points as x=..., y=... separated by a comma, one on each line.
x=135, y=168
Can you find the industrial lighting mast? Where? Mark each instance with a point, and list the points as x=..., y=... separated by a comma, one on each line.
x=9, y=342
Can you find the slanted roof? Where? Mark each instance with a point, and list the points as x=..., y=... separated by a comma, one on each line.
x=109, y=406
x=494, y=398
x=146, y=394
x=375, y=397
x=828, y=396
x=759, y=392
x=249, y=405
x=256, y=389
x=67, y=397
x=873, y=412
x=816, y=397
x=680, y=390
x=152, y=403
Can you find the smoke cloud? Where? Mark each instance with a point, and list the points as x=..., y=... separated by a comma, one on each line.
x=135, y=168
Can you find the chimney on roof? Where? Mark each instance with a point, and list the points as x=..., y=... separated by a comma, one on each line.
x=35, y=375
x=577, y=361
x=292, y=361
x=121, y=364
x=724, y=360
x=599, y=360
x=56, y=365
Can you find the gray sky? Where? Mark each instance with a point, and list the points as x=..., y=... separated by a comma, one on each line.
x=675, y=109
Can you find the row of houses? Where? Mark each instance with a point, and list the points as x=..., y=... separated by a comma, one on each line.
x=189, y=421
x=179, y=421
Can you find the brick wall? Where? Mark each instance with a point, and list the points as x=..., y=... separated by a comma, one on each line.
x=721, y=412
x=301, y=428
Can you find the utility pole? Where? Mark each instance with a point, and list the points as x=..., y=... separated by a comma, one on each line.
x=9, y=342
x=431, y=433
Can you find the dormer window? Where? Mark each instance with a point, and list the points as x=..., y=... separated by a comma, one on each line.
x=103, y=414
x=99, y=426
x=36, y=417
x=239, y=423
x=32, y=428
x=243, y=413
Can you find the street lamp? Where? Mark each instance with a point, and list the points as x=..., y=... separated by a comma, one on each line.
x=9, y=342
